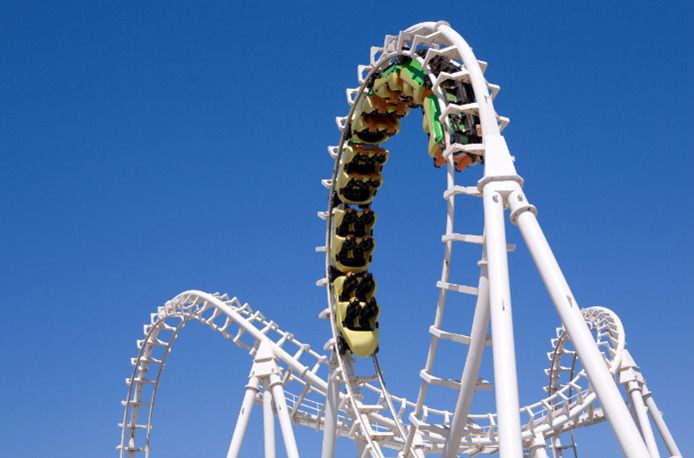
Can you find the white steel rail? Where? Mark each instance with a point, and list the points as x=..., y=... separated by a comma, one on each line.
x=587, y=354
x=568, y=406
x=247, y=329
x=380, y=57
x=234, y=321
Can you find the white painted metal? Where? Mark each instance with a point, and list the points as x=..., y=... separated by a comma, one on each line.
x=438, y=318
x=359, y=412
x=538, y=447
x=283, y=416
x=540, y=417
x=660, y=424
x=244, y=417
x=634, y=391
x=557, y=447
x=505, y=379
x=630, y=376
x=468, y=381
x=268, y=423
x=331, y=408
x=617, y=414
x=388, y=398
x=496, y=166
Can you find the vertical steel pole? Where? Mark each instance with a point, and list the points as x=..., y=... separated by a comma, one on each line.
x=660, y=424
x=601, y=379
x=244, y=416
x=332, y=400
x=503, y=347
x=283, y=415
x=268, y=421
x=473, y=360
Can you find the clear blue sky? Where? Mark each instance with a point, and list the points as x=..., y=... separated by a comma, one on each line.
x=152, y=147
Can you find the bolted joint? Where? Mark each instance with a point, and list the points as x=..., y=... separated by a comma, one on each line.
x=265, y=361
x=519, y=204
x=631, y=379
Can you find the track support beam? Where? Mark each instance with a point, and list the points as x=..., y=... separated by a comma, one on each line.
x=244, y=416
x=616, y=411
x=660, y=424
x=268, y=423
x=503, y=346
x=331, y=407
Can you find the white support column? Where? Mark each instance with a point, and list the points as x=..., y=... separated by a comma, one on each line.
x=503, y=347
x=265, y=367
x=244, y=416
x=268, y=421
x=332, y=400
x=616, y=411
x=630, y=376
x=660, y=424
x=473, y=360
x=283, y=416
x=637, y=401
x=634, y=414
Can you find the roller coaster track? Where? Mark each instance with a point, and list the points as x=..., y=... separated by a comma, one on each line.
x=431, y=66
x=570, y=403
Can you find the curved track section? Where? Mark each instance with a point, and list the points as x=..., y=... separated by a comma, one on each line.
x=570, y=401
x=428, y=66
x=565, y=371
x=303, y=371
x=236, y=322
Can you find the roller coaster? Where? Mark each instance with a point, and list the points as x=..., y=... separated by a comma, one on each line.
x=427, y=66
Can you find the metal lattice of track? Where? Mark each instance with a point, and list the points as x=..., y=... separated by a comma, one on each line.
x=429, y=67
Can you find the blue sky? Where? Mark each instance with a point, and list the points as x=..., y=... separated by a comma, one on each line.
x=148, y=148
